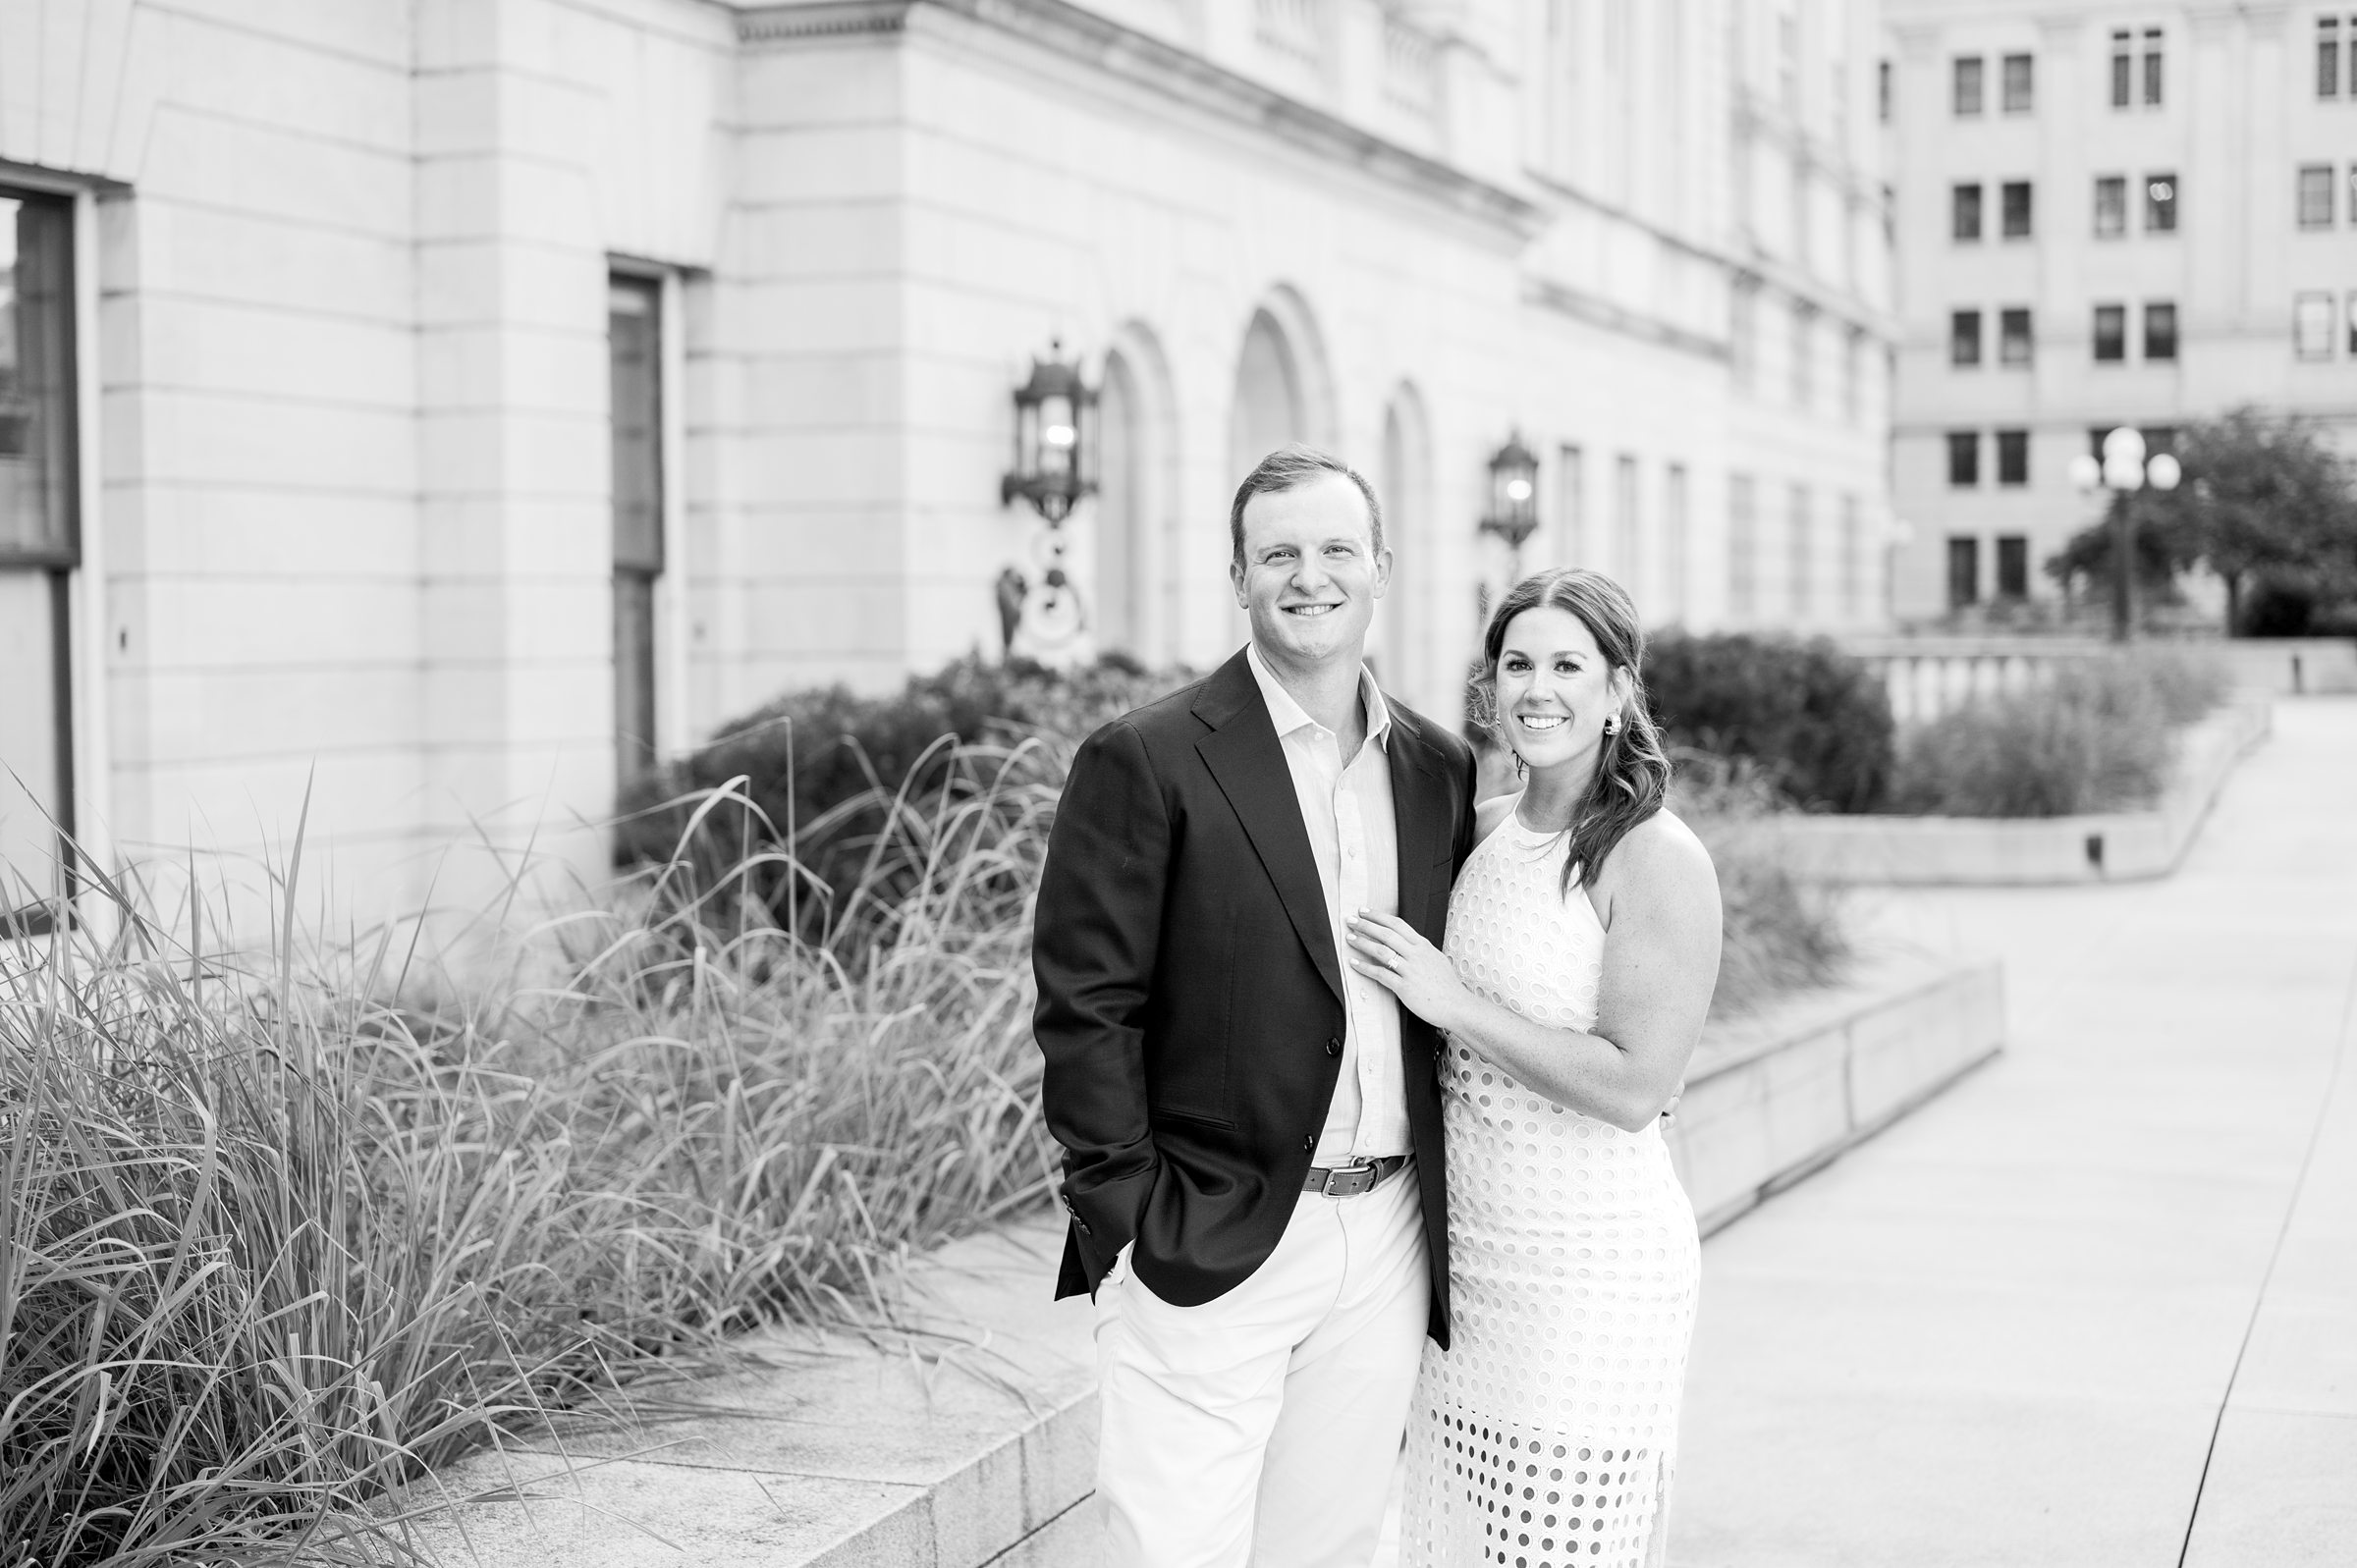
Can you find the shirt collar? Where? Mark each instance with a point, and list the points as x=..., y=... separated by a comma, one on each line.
x=1289, y=716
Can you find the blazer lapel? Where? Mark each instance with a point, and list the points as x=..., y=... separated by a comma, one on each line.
x=1420, y=813
x=1247, y=761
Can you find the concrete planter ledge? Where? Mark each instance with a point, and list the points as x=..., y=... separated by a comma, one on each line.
x=2027, y=851
x=969, y=1441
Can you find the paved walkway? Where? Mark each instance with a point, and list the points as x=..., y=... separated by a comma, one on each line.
x=2097, y=1305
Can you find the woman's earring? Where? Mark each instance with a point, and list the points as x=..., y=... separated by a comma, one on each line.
x=1611, y=724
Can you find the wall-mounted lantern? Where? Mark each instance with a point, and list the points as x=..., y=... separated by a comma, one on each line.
x=1513, y=493
x=1055, y=465
x=1054, y=439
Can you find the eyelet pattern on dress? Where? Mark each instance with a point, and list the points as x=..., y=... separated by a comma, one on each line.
x=1544, y=1437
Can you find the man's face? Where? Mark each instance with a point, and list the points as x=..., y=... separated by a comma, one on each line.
x=1311, y=573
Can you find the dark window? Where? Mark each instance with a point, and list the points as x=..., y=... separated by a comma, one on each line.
x=2159, y=439
x=39, y=547
x=2021, y=76
x=1964, y=336
x=1965, y=213
x=2012, y=566
x=2159, y=329
x=2123, y=68
x=1882, y=89
x=2015, y=208
x=2111, y=332
x=1964, y=570
x=2012, y=457
x=2159, y=204
x=2151, y=65
x=2312, y=326
x=2316, y=195
x=634, y=359
x=2327, y=57
x=2014, y=342
x=2110, y=206
x=1968, y=84
x=1963, y=459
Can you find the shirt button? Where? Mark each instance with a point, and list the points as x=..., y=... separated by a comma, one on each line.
x=1333, y=1048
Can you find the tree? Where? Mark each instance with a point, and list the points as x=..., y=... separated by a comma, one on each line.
x=2265, y=499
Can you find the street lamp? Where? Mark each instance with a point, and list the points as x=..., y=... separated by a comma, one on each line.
x=2124, y=470
x=1513, y=494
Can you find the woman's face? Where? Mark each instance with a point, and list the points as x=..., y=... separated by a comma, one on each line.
x=1555, y=689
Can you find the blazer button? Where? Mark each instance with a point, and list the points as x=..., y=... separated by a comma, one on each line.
x=1309, y=1144
x=1333, y=1048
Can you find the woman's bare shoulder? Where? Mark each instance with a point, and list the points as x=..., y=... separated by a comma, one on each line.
x=1663, y=855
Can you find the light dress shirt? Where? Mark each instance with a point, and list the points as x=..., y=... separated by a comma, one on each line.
x=1353, y=835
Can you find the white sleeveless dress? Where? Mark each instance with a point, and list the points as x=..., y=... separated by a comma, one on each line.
x=1544, y=1437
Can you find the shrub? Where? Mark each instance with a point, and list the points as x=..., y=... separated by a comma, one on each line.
x=275, y=1242
x=825, y=770
x=2095, y=736
x=1813, y=716
x=1779, y=933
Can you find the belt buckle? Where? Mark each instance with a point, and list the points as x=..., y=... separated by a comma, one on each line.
x=1348, y=1181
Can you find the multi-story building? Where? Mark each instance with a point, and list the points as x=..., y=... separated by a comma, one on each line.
x=448, y=407
x=2107, y=216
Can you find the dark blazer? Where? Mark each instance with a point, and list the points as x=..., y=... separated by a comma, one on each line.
x=1190, y=999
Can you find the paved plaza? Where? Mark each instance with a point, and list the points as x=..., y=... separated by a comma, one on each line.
x=2097, y=1305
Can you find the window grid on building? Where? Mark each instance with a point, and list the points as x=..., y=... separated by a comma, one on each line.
x=1965, y=338
x=1628, y=538
x=2012, y=457
x=1965, y=213
x=2014, y=345
x=2159, y=329
x=1967, y=84
x=2015, y=205
x=1805, y=355
x=2159, y=204
x=1572, y=504
x=2110, y=333
x=2012, y=565
x=2123, y=68
x=1801, y=540
x=1677, y=546
x=2327, y=57
x=2152, y=66
x=1963, y=459
x=2316, y=195
x=1853, y=564
x=1964, y=570
x=2020, y=83
x=2312, y=325
x=1742, y=544
x=2111, y=207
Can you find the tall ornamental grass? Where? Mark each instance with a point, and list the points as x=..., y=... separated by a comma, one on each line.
x=276, y=1241
x=2096, y=735
x=1779, y=933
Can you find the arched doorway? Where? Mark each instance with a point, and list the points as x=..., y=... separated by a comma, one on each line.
x=1132, y=604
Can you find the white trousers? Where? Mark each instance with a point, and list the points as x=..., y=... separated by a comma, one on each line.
x=1261, y=1428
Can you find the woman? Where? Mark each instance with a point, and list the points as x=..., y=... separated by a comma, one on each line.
x=1582, y=946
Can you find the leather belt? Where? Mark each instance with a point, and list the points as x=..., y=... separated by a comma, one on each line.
x=1348, y=1181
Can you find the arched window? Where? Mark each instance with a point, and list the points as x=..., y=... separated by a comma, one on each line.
x=1268, y=407
x=1402, y=634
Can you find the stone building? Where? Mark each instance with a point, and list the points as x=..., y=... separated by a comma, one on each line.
x=441, y=407
x=2108, y=216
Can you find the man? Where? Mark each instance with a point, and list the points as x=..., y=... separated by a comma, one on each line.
x=1252, y=1129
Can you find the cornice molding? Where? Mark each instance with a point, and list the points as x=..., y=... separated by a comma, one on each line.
x=1139, y=60
x=1597, y=312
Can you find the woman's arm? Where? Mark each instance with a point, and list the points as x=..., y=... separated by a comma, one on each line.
x=1658, y=899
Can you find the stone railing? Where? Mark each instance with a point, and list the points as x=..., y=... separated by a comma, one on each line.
x=1927, y=677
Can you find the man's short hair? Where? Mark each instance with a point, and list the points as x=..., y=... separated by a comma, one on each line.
x=1289, y=468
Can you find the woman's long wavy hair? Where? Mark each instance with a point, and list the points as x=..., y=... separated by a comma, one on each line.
x=1632, y=772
